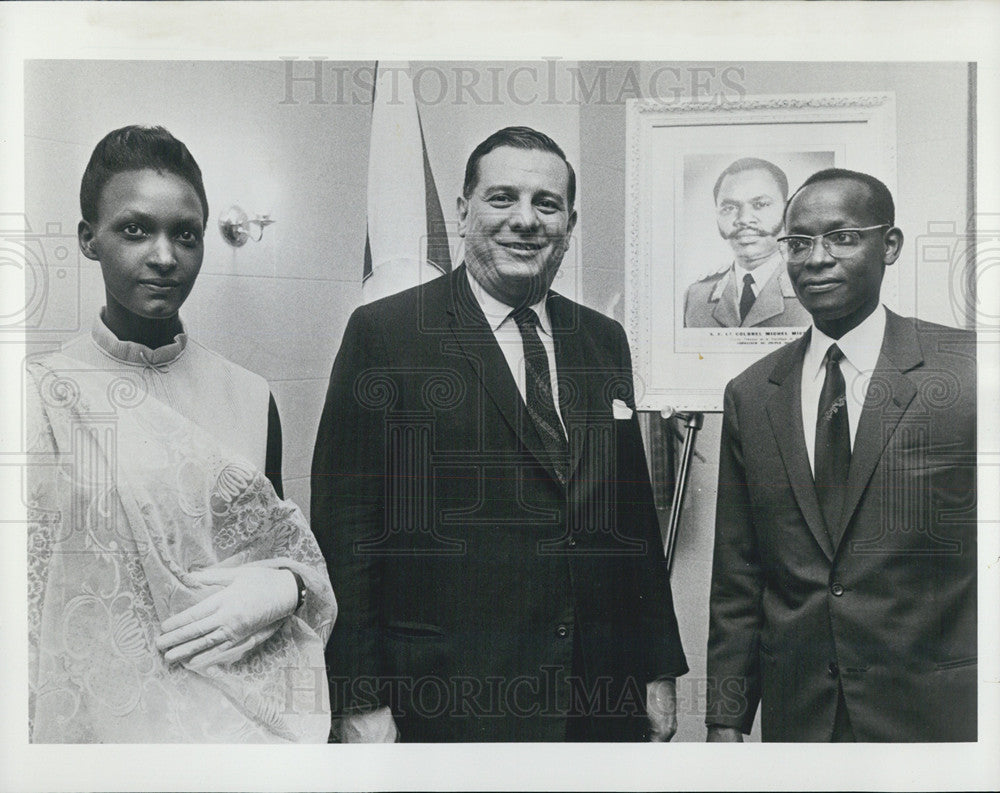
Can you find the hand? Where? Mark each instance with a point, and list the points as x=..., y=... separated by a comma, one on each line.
x=661, y=709
x=376, y=726
x=718, y=734
x=229, y=623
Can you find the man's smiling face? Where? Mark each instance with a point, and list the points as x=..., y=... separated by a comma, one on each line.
x=517, y=223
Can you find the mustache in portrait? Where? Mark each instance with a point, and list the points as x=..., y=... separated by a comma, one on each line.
x=751, y=229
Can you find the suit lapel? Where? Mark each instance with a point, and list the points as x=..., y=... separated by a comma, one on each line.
x=889, y=395
x=784, y=411
x=479, y=346
x=576, y=400
x=769, y=302
x=725, y=312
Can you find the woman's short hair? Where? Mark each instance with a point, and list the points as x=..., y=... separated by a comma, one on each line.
x=137, y=148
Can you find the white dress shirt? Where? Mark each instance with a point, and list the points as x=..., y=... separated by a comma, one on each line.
x=508, y=336
x=761, y=274
x=861, y=347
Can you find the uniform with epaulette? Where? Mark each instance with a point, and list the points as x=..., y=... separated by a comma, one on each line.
x=713, y=302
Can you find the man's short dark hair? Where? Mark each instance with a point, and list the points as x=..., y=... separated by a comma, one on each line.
x=518, y=138
x=137, y=148
x=880, y=202
x=753, y=164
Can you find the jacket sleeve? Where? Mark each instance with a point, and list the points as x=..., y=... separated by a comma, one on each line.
x=733, y=689
x=347, y=508
x=663, y=654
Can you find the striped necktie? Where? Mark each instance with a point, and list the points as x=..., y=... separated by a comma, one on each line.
x=538, y=392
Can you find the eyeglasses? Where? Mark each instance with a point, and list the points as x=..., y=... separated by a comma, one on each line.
x=839, y=243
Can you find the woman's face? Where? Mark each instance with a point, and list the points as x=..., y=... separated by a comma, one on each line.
x=149, y=240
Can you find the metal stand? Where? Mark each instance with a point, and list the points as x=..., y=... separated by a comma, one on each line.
x=693, y=423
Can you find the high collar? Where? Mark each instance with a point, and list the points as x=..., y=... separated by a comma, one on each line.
x=132, y=352
x=761, y=274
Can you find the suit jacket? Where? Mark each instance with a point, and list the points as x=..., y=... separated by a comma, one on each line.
x=884, y=604
x=467, y=573
x=712, y=301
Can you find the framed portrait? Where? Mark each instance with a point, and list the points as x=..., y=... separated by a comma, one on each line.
x=707, y=292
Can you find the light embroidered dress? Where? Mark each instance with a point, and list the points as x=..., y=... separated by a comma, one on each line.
x=146, y=465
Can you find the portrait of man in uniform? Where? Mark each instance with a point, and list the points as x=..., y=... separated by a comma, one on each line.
x=751, y=290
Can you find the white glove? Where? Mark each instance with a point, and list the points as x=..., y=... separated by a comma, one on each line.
x=229, y=623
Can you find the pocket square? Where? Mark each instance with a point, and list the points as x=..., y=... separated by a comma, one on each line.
x=620, y=409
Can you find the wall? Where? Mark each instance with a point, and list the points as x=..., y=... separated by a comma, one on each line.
x=279, y=307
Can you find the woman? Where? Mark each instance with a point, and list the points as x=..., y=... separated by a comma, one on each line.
x=172, y=595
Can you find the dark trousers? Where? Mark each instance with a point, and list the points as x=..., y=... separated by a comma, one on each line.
x=588, y=725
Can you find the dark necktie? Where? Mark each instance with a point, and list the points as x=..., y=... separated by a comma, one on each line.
x=833, y=442
x=538, y=392
x=747, y=298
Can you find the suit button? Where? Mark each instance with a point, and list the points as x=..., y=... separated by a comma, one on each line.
x=562, y=631
x=837, y=590
x=572, y=542
x=833, y=670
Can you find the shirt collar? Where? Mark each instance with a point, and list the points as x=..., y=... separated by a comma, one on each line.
x=497, y=312
x=860, y=345
x=133, y=352
x=761, y=274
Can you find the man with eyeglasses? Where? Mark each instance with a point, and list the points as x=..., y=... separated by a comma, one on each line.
x=844, y=579
x=753, y=290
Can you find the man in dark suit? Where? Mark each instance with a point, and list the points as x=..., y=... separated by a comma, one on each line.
x=844, y=578
x=481, y=495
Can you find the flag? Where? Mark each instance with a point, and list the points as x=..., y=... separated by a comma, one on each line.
x=407, y=242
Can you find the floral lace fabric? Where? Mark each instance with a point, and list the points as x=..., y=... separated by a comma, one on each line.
x=126, y=499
